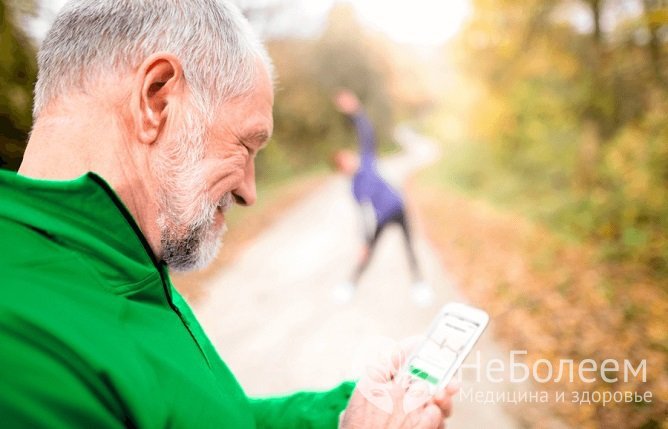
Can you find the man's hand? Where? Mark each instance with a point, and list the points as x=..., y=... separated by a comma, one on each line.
x=387, y=398
x=363, y=413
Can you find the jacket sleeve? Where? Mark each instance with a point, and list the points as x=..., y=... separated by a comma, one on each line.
x=303, y=410
x=365, y=138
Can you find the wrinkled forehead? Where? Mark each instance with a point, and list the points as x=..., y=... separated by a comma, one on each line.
x=264, y=99
x=262, y=88
x=250, y=116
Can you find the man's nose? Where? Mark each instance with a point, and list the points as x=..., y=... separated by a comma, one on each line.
x=246, y=194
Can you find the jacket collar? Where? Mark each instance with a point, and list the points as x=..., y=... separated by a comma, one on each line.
x=87, y=216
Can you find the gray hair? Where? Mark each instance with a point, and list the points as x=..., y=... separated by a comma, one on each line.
x=218, y=49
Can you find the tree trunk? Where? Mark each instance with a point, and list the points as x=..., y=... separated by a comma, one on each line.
x=650, y=8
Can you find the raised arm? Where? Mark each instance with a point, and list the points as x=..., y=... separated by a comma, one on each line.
x=366, y=138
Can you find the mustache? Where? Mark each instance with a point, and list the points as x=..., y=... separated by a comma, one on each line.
x=226, y=202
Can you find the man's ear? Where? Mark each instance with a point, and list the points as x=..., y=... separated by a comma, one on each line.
x=159, y=82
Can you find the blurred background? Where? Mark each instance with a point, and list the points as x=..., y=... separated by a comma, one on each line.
x=530, y=138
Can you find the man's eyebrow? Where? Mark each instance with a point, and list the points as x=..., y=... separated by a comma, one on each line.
x=260, y=138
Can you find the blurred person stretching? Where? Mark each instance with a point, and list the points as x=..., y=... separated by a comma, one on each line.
x=148, y=117
x=380, y=204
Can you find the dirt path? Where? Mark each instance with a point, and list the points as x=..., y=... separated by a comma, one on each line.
x=272, y=318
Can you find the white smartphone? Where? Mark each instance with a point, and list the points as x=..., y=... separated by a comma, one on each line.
x=450, y=339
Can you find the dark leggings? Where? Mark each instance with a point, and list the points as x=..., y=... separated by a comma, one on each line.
x=399, y=219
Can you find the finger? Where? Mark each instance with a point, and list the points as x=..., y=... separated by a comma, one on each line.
x=450, y=390
x=453, y=387
x=444, y=404
x=430, y=417
x=443, y=397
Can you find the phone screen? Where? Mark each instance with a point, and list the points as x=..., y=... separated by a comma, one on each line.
x=448, y=343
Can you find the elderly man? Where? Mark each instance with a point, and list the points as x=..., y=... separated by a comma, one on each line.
x=148, y=117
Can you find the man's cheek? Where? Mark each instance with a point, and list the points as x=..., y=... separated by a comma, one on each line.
x=227, y=172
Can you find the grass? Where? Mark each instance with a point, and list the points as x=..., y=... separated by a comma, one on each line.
x=519, y=255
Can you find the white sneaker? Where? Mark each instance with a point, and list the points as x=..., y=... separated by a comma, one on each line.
x=422, y=294
x=343, y=292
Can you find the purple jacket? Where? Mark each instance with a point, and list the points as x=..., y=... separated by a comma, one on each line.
x=368, y=186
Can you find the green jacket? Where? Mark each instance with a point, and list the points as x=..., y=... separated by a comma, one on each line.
x=94, y=335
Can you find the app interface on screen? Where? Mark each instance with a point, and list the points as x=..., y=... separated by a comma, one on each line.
x=440, y=351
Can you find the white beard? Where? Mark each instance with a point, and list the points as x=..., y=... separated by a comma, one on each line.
x=194, y=246
x=188, y=236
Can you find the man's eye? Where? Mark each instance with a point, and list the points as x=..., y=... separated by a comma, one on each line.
x=249, y=150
